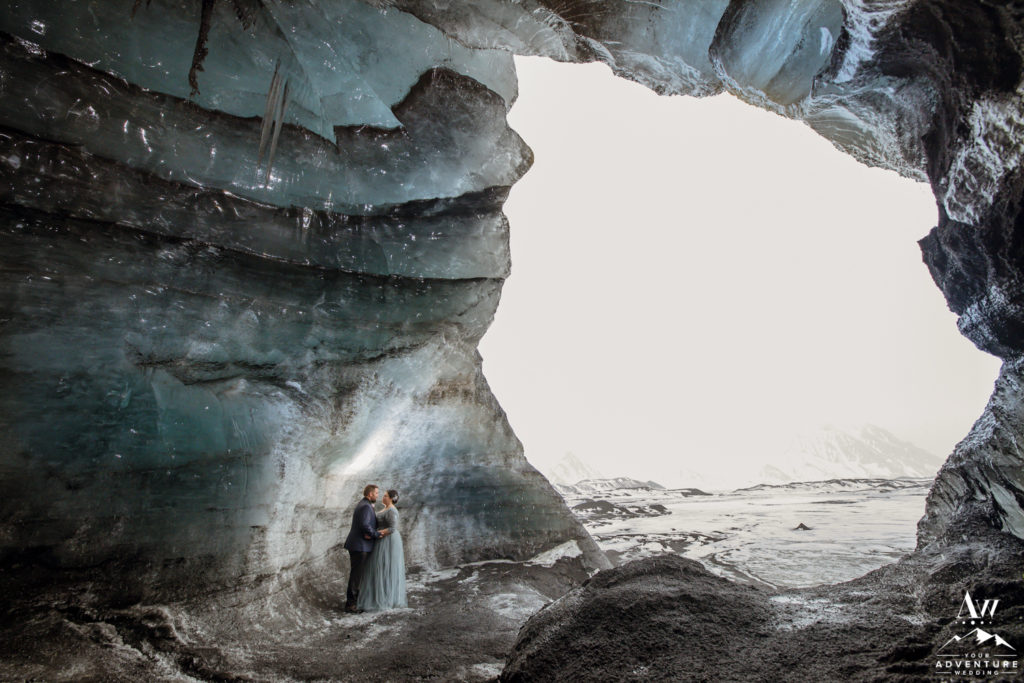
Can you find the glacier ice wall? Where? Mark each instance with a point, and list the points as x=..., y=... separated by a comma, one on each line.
x=250, y=247
x=206, y=355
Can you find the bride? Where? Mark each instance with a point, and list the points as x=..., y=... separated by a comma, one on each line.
x=383, y=585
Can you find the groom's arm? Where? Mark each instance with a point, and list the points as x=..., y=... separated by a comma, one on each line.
x=367, y=520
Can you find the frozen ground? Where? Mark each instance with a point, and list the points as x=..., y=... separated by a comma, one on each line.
x=460, y=625
x=462, y=622
x=854, y=526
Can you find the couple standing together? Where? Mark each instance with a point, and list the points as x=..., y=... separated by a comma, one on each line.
x=376, y=580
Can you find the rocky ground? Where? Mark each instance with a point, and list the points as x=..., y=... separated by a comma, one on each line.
x=664, y=616
x=460, y=625
x=670, y=618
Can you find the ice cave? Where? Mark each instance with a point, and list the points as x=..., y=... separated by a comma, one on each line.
x=250, y=247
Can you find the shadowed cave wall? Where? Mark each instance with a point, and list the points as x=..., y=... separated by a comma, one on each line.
x=250, y=247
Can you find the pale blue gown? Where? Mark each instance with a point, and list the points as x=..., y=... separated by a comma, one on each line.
x=383, y=585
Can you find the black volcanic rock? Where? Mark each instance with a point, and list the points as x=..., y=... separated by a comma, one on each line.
x=634, y=618
x=979, y=486
x=603, y=509
x=669, y=618
x=600, y=506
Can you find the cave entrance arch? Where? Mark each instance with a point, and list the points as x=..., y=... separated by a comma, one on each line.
x=716, y=283
x=133, y=429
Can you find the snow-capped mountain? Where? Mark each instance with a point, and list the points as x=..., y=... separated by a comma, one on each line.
x=863, y=452
x=589, y=487
x=868, y=452
x=842, y=485
x=569, y=470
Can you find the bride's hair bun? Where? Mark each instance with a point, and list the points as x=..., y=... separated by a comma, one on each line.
x=393, y=495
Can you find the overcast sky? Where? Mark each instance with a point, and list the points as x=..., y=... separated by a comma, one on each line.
x=692, y=279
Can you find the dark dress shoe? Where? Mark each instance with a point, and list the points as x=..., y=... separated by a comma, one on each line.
x=352, y=609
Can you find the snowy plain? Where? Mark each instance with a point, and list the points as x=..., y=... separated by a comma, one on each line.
x=852, y=527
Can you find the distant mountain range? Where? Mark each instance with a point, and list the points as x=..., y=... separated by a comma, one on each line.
x=830, y=453
x=863, y=452
x=881, y=484
x=868, y=452
x=588, y=487
x=570, y=470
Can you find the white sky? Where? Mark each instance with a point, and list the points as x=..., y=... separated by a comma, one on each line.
x=692, y=279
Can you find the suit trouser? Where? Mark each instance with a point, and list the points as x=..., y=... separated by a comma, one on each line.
x=355, y=576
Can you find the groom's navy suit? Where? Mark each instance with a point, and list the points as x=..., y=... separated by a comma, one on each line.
x=359, y=544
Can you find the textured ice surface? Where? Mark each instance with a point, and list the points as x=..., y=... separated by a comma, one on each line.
x=338, y=57
x=663, y=46
x=451, y=239
x=979, y=167
x=204, y=363
x=548, y=558
x=776, y=47
x=203, y=359
x=454, y=139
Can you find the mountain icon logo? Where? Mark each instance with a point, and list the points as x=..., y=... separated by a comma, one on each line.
x=981, y=637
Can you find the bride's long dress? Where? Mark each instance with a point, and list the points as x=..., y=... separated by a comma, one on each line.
x=383, y=585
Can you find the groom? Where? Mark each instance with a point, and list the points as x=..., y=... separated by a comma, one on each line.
x=359, y=543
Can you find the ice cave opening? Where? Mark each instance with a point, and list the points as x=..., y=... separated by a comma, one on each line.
x=203, y=361
x=726, y=302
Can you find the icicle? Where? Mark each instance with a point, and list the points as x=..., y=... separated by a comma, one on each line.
x=282, y=105
x=268, y=112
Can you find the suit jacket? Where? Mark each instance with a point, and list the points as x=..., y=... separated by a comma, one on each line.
x=364, y=528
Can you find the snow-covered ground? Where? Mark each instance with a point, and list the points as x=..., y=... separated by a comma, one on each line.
x=853, y=526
